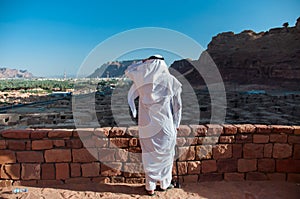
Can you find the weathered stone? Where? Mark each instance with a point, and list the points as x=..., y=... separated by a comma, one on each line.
x=102, y=132
x=30, y=156
x=31, y=171
x=229, y=129
x=133, y=170
x=240, y=138
x=90, y=169
x=41, y=144
x=226, y=139
x=58, y=155
x=117, y=131
x=113, y=169
x=214, y=130
x=7, y=156
x=62, y=171
x=222, y=151
x=253, y=150
x=203, y=152
x=121, y=155
x=48, y=172
x=186, y=153
x=182, y=168
x=198, y=130
x=194, y=167
x=282, y=129
x=246, y=165
x=183, y=131
x=245, y=128
x=107, y=154
x=119, y=142
x=208, y=166
x=10, y=171
x=282, y=150
x=260, y=128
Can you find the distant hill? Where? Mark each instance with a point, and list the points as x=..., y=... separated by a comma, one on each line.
x=14, y=73
x=112, y=69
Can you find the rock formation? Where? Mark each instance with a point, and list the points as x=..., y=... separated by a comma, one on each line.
x=265, y=58
x=14, y=73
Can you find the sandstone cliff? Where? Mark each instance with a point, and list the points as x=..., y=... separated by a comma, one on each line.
x=265, y=58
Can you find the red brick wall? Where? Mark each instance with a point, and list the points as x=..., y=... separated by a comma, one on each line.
x=207, y=152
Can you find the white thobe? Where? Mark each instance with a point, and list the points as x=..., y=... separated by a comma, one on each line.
x=159, y=116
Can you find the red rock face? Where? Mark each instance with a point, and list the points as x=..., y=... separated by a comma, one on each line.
x=252, y=58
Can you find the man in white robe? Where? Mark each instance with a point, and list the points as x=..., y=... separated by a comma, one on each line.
x=158, y=117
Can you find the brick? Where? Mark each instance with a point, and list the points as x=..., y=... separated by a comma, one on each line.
x=198, y=130
x=278, y=138
x=268, y=150
x=83, y=132
x=209, y=177
x=119, y=142
x=180, y=141
x=7, y=156
x=60, y=133
x=75, y=169
x=74, y=144
x=113, y=169
x=39, y=134
x=41, y=144
x=30, y=172
x=101, y=142
x=226, y=139
x=246, y=165
x=203, y=152
x=30, y=156
x=58, y=155
x=253, y=150
x=121, y=155
x=229, y=129
x=134, y=157
x=245, y=128
x=214, y=130
x=261, y=128
x=276, y=176
x=184, y=131
x=234, y=176
x=191, y=141
x=227, y=165
x=107, y=154
x=133, y=170
x=293, y=177
x=134, y=142
x=135, y=180
x=237, y=150
x=58, y=143
x=208, y=166
x=48, y=172
x=186, y=153
x=257, y=176
x=182, y=168
x=260, y=138
x=194, y=167
x=88, y=142
x=79, y=180
x=2, y=144
x=282, y=129
x=16, y=134
x=62, y=171
x=133, y=131
x=296, y=154
x=190, y=179
x=288, y=165
x=11, y=171
x=84, y=155
x=296, y=130
x=117, y=131
x=282, y=150
x=90, y=169
x=294, y=139
x=266, y=165
x=29, y=183
x=102, y=132
x=240, y=138
x=222, y=151
x=208, y=140
x=16, y=144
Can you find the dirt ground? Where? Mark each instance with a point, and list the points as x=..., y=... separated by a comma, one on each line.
x=215, y=190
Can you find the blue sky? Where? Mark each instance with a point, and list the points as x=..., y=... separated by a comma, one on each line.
x=52, y=37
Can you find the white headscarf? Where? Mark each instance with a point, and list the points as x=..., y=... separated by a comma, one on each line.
x=152, y=79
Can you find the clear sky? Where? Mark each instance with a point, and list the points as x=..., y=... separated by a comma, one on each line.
x=52, y=37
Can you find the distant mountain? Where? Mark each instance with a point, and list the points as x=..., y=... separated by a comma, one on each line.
x=112, y=69
x=14, y=73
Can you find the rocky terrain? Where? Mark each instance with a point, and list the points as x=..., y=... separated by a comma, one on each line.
x=14, y=73
x=269, y=58
x=112, y=69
